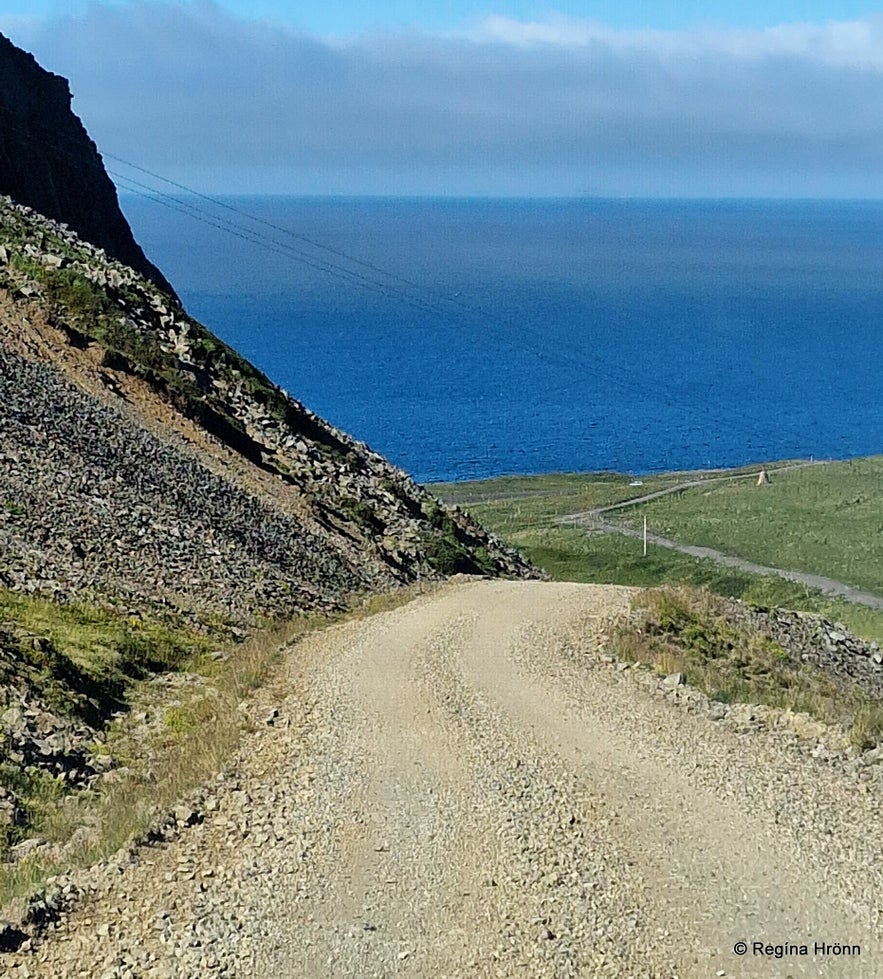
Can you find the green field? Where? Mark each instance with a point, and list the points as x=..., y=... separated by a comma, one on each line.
x=835, y=501
x=826, y=519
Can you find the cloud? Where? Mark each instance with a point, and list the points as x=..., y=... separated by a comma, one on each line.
x=836, y=44
x=509, y=107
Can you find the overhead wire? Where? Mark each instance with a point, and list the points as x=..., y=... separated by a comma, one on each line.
x=472, y=309
x=433, y=304
x=600, y=368
x=427, y=303
x=222, y=224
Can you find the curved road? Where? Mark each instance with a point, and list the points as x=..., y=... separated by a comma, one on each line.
x=463, y=788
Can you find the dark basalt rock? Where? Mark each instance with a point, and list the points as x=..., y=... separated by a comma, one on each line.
x=49, y=163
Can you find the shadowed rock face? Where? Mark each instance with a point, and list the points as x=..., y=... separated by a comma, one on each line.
x=48, y=162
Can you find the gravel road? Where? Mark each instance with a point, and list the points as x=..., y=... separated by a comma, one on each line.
x=464, y=787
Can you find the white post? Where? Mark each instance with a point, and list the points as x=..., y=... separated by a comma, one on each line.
x=645, y=537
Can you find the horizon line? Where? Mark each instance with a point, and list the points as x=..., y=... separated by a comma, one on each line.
x=617, y=198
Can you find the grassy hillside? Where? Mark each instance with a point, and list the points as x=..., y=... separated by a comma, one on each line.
x=525, y=511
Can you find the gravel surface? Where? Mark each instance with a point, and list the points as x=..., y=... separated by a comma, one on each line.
x=469, y=786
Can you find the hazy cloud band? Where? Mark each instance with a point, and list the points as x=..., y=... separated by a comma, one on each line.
x=561, y=107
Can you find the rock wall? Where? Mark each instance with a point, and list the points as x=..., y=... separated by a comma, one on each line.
x=48, y=161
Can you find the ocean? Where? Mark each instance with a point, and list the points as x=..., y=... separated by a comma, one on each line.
x=472, y=338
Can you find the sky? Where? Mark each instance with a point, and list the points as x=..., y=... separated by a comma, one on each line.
x=505, y=98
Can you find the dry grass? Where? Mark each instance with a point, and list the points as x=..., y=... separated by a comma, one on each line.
x=685, y=630
x=202, y=726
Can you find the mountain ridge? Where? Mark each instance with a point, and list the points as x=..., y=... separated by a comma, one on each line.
x=49, y=162
x=120, y=362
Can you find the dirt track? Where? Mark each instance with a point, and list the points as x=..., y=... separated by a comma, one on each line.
x=462, y=787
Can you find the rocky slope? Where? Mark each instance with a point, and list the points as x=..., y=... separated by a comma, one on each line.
x=48, y=161
x=146, y=464
x=816, y=641
x=159, y=496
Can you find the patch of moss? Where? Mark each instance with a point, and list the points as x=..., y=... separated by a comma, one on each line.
x=78, y=295
x=361, y=512
x=66, y=688
x=38, y=795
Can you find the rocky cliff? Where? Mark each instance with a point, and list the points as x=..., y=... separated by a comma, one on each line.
x=160, y=500
x=48, y=161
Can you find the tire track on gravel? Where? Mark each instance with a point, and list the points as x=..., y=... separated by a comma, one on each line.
x=460, y=788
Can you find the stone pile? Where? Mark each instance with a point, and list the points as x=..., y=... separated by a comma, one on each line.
x=814, y=639
x=34, y=736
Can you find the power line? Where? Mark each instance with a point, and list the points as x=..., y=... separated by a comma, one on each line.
x=425, y=301
x=219, y=202
x=239, y=231
x=432, y=305
x=601, y=369
x=435, y=300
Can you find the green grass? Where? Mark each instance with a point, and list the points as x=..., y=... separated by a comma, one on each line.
x=826, y=520
x=525, y=510
x=202, y=727
x=556, y=492
x=100, y=641
x=82, y=663
x=573, y=491
x=688, y=631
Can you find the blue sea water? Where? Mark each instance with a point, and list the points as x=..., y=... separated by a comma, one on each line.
x=479, y=337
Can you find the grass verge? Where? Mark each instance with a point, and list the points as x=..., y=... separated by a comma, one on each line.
x=822, y=519
x=100, y=641
x=686, y=630
x=200, y=727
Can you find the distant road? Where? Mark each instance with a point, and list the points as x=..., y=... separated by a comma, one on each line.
x=594, y=519
x=491, y=497
x=700, y=481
